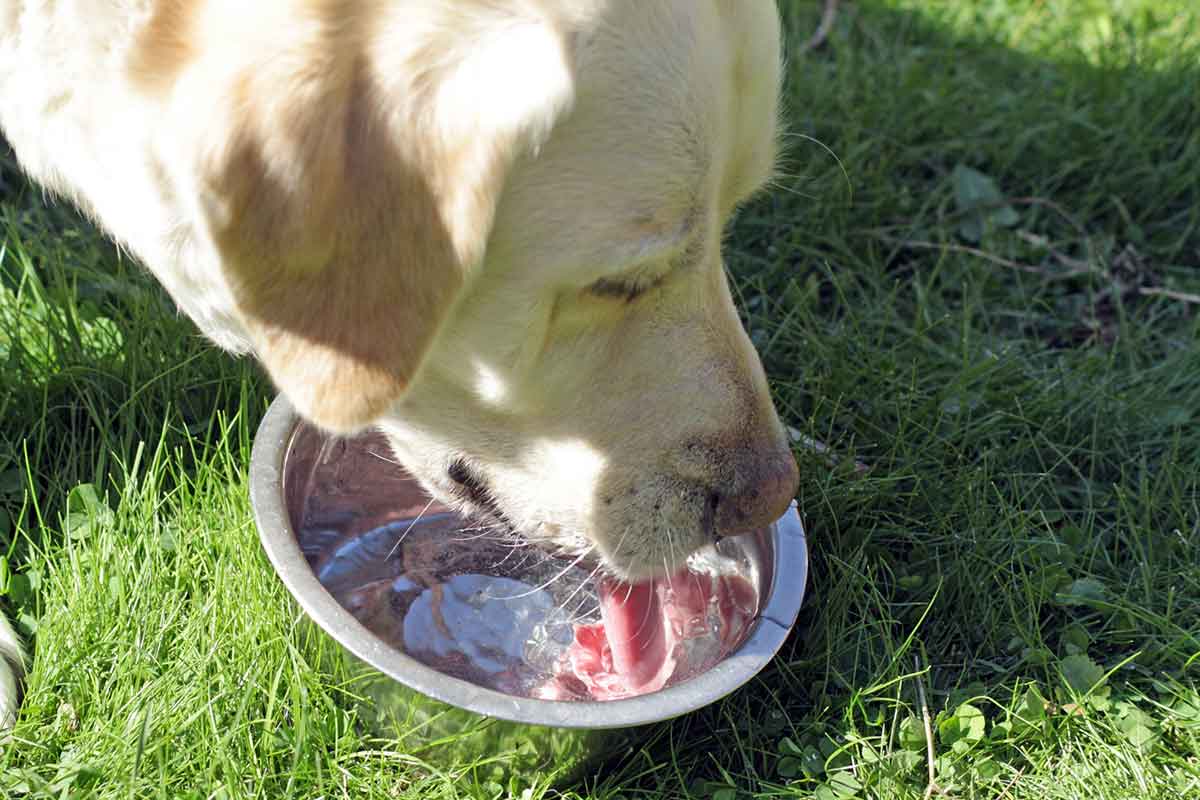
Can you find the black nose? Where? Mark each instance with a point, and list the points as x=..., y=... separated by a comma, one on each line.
x=759, y=500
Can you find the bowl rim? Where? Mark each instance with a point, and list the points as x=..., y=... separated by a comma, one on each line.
x=772, y=627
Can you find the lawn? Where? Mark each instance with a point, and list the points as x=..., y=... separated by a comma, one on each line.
x=978, y=274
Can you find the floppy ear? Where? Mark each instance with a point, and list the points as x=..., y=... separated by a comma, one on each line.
x=350, y=183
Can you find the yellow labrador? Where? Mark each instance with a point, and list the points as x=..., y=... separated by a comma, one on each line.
x=490, y=227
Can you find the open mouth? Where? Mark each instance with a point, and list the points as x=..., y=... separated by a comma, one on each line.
x=633, y=648
x=470, y=595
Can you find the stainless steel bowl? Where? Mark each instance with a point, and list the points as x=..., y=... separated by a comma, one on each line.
x=445, y=721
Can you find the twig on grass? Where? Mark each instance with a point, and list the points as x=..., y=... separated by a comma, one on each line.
x=1074, y=266
x=1183, y=297
x=932, y=788
x=819, y=37
x=917, y=244
x=1004, y=792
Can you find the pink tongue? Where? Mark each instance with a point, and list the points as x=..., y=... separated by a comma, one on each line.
x=634, y=649
x=635, y=629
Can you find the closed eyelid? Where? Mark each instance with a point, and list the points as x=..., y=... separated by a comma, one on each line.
x=627, y=289
x=630, y=286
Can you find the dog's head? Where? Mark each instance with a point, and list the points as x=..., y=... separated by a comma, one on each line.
x=493, y=228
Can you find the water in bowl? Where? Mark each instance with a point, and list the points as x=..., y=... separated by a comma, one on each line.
x=474, y=601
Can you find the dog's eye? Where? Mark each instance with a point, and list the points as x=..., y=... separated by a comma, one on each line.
x=627, y=290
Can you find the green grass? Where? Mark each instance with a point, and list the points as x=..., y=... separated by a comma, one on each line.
x=977, y=275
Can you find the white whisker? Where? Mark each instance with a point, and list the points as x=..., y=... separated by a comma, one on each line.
x=400, y=540
x=384, y=458
x=565, y=570
x=582, y=583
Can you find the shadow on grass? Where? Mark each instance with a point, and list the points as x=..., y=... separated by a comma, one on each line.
x=97, y=365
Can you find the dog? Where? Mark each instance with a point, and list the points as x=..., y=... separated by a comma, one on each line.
x=490, y=228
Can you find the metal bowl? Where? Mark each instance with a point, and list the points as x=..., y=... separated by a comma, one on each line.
x=445, y=721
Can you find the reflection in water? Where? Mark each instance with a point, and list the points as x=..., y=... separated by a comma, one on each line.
x=473, y=601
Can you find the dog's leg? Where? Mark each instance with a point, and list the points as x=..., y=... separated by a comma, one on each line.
x=12, y=665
